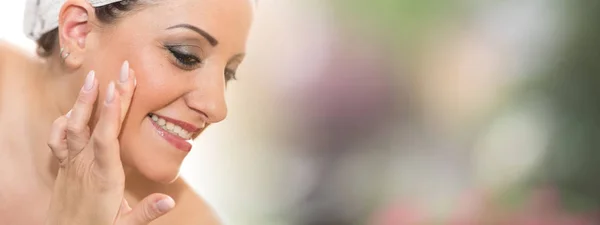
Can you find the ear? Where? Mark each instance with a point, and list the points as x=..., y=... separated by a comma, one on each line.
x=74, y=27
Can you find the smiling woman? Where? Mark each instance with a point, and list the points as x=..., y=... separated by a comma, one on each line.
x=156, y=76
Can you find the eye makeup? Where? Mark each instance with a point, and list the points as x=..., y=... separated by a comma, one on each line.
x=184, y=56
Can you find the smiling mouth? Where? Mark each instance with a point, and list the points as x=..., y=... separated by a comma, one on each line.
x=171, y=127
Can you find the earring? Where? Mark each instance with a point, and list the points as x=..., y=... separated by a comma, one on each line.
x=64, y=54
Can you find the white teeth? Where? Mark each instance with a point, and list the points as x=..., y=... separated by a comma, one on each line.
x=180, y=134
x=184, y=134
x=171, y=128
x=177, y=129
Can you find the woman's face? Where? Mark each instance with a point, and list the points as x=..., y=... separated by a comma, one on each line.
x=183, y=53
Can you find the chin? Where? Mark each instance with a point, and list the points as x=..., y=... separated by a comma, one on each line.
x=155, y=169
x=144, y=150
x=165, y=174
x=157, y=161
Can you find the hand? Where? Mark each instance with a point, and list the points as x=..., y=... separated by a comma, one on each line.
x=90, y=185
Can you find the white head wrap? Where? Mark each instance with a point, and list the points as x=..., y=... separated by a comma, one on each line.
x=41, y=16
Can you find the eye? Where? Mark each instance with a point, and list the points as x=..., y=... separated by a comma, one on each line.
x=230, y=74
x=186, y=61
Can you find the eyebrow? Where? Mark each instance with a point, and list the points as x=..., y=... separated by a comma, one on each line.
x=213, y=41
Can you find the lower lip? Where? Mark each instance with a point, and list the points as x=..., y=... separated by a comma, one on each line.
x=174, y=140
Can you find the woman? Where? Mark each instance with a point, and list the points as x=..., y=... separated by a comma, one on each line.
x=131, y=82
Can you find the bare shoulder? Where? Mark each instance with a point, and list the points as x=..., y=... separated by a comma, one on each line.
x=6, y=50
x=15, y=64
x=190, y=208
x=12, y=58
x=7, y=53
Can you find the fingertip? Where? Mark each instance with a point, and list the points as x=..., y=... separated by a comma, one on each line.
x=110, y=93
x=165, y=204
x=124, y=75
x=90, y=81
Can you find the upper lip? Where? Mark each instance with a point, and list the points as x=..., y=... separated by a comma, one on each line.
x=184, y=125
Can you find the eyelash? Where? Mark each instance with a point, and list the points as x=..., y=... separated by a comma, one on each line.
x=230, y=75
x=190, y=62
x=185, y=61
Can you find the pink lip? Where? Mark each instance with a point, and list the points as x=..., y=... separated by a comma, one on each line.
x=174, y=140
x=186, y=126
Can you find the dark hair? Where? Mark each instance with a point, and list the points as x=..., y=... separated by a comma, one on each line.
x=106, y=14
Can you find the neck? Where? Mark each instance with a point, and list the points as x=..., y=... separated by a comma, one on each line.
x=50, y=95
x=60, y=85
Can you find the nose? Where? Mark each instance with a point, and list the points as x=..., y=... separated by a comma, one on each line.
x=208, y=96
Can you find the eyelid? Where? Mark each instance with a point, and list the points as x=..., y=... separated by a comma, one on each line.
x=183, y=47
x=176, y=49
x=200, y=53
x=178, y=54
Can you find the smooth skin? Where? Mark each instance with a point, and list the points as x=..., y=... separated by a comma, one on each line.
x=90, y=174
x=116, y=167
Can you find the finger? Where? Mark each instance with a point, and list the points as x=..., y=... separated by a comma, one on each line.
x=77, y=125
x=58, y=139
x=106, y=131
x=149, y=209
x=126, y=87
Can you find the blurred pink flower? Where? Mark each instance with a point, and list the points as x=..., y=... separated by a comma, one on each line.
x=542, y=208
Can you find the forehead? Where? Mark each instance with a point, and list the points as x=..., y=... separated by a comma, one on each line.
x=227, y=20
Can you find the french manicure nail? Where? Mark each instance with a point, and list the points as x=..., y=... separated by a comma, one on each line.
x=165, y=205
x=124, y=72
x=69, y=113
x=110, y=92
x=89, y=81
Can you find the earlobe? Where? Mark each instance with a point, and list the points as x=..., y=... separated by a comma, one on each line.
x=74, y=27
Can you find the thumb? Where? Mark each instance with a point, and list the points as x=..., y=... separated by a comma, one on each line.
x=149, y=209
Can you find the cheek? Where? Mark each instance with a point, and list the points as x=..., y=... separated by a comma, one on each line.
x=158, y=84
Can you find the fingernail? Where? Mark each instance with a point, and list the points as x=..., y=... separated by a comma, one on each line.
x=134, y=82
x=110, y=92
x=124, y=72
x=69, y=113
x=165, y=204
x=89, y=81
